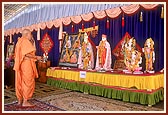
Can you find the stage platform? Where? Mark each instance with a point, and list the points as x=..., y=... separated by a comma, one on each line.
x=144, y=89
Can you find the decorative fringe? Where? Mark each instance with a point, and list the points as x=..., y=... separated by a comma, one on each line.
x=123, y=20
x=83, y=27
x=141, y=17
x=60, y=45
x=72, y=28
x=162, y=13
x=107, y=24
x=60, y=31
x=10, y=38
x=60, y=36
x=94, y=24
x=38, y=34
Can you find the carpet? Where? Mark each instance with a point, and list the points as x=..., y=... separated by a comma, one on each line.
x=41, y=90
x=54, y=98
x=39, y=106
x=75, y=101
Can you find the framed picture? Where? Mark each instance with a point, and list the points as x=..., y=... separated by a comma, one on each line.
x=10, y=51
x=70, y=49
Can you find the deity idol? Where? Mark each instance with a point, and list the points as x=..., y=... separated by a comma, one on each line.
x=103, y=61
x=149, y=54
x=132, y=57
x=86, y=57
x=129, y=47
x=135, y=60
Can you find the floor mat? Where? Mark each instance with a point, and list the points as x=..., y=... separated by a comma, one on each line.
x=72, y=101
x=41, y=90
x=39, y=106
x=75, y=101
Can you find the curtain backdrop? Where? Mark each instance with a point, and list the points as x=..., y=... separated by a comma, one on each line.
x=54, y=53
x=152, y=26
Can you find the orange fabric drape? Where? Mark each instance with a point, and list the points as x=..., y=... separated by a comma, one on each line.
x=25, y=69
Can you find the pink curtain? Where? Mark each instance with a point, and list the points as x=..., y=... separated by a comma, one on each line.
x=99, y=14
x=76, y=19
x=114, y=12
x=66, y=20
x=42, y=25
x=12, y=31
x=5, y=33
x=130, y=9
x=149, y=6
x=57, y=22
x=34, y=27
x=87, y=17
x=49, y=24
x=30, y=28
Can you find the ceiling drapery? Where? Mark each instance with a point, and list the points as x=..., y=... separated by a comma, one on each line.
x=36, y=13
x=112, y=13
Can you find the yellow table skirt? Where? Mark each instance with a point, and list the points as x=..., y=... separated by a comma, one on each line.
x=153, y=81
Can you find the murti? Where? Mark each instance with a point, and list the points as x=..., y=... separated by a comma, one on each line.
x=149, y=54
x=136, y=59
x=101, y=52
x=129, y=47
x=132, y=57
x=103, y=60
x=86, y=53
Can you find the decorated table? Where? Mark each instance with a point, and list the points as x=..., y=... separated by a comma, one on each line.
x=42, y=69
x=140, y=88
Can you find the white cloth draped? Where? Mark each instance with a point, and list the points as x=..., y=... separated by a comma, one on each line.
x=99, y=14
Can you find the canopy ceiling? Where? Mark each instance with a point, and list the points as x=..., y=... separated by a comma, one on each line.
x=20, y=15
x=11, y=10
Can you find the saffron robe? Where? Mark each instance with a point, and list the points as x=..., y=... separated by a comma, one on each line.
x=25, y=69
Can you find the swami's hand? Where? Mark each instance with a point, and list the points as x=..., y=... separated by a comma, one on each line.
x=38, y=58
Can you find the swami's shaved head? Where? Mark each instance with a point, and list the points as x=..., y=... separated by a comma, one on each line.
x=26, y=33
